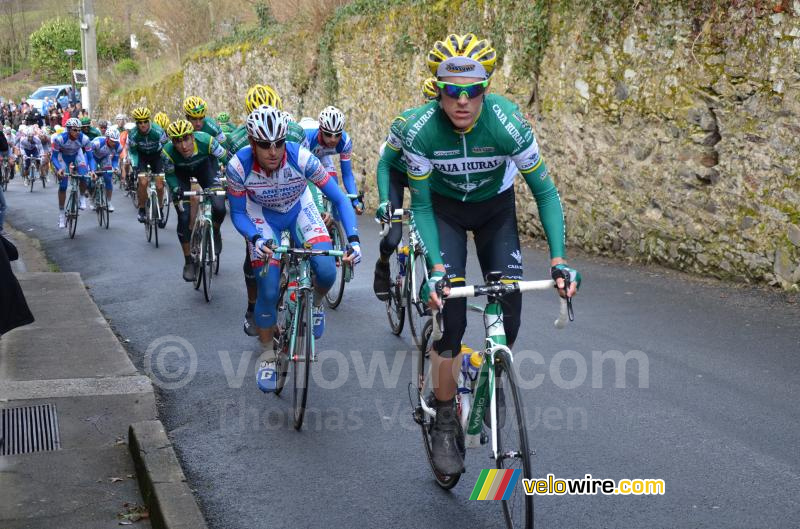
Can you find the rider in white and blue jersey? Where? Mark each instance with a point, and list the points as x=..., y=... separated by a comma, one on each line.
x=327, y=138
x=30, y=146
x=69, y=148
x=105, y=155
x=268, y=192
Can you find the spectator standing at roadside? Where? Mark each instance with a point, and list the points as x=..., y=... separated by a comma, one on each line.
x=14, y=311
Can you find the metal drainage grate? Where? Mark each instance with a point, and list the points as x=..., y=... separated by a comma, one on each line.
x=29, y=429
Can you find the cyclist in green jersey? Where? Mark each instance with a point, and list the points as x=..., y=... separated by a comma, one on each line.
x=392, y=179
x=86, y=128
x=193, y=154
x=144, y=149
x=224, y=120
x=458, y=150
x=259, y=95
x=195, y=109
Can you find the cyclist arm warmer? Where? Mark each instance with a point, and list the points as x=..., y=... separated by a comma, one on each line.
x=548, y=203
x=55, y=158
x=389, y=157
x=216, y=150
x=91, y=162
x=237, y=197
x=345, y=149
x=169, y=171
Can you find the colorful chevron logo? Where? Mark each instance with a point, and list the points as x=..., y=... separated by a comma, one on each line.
x=494, y=484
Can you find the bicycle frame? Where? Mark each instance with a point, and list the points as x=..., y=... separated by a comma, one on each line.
x=485, y=388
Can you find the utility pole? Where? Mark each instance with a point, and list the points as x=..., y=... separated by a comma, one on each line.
x=89, y=26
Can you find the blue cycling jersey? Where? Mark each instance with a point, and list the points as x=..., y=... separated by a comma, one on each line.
x=343, y=148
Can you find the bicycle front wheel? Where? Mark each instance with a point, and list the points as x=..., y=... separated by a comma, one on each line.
x=281, y=337
x=512, y=443
x=301, y=356
x=417, y=310
x=72, y=214
x=207, y=263
x=165, y=205
x=334, y=295
x=31, y=178
x=153, y=214
x=196, y=253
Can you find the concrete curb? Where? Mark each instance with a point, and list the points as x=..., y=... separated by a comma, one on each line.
x=161, y=479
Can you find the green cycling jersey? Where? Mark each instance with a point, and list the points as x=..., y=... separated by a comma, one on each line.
x=475, y=165
x=212, y=128
x=392, y=152
x=205, y=146
x=149, y=143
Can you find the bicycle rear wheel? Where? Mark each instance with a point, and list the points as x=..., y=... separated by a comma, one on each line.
x=334, y=295
x=418, y=377
x=512, y=444
x=395, y=310
x=302, y=358
x=207, y=264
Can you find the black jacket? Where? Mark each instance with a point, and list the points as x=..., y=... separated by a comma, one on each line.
x=14, y=311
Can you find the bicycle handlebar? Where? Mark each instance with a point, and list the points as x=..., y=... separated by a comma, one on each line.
x=204, y=193
x=304, y=251
x=500, y=289
x=397, y=216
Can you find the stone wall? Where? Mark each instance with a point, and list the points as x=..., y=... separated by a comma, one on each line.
x=671, y=129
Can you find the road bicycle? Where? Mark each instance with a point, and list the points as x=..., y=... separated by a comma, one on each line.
x=408, y=273
x=73, y=203
x=295, y=341
x=100, y=199
x=153, y=207
x=495, y=388
x=202, y=246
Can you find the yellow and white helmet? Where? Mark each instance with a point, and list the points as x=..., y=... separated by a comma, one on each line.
x=462, y=56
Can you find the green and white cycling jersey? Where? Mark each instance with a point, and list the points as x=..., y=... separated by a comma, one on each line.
x=212, y=128
x=475, y=165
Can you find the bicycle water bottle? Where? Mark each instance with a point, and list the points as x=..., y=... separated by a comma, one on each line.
x=402, y=258
x=480, y=401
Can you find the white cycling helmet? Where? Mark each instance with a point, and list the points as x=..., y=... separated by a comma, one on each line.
x=267, y=124
x=112, y=134
x=331, y=119
x=73, y=122
x=120, y=117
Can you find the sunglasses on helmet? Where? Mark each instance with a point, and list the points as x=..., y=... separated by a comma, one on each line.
x=455, y=91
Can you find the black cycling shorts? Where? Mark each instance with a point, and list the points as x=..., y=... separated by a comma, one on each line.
x=493, y=224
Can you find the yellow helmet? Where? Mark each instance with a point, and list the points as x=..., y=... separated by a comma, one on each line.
x=469, y=46
x=141, y=114
x=262, y=95
x=162, y=120
x=179, y=129
x=195, y=107
x=429, y=88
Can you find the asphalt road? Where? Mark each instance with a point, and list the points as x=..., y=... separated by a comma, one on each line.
x=708, y=400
